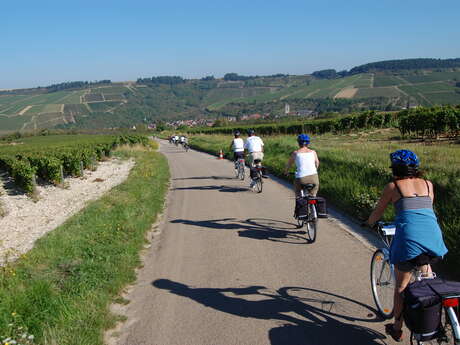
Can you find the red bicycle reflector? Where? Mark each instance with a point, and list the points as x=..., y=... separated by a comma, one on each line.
x=312, y=202
x=450, y=302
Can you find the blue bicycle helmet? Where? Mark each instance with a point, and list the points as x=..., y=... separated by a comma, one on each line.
x=303, y=139
x=404, y=157
x=251, y=131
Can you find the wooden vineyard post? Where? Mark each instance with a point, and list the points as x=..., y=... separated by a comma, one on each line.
x=81, y=168
x=34, y=183
x=62, y=175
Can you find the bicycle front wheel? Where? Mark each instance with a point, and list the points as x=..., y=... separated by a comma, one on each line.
x=383, y=284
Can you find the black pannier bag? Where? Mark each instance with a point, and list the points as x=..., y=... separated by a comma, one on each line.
x=301, y=205
x=422, y=308
x=423, y=303
x=253, y=172
x=321, y=208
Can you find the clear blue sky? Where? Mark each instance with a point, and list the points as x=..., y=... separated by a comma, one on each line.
x=44, y=42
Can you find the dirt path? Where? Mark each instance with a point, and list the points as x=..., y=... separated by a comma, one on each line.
x=348, y=92
x=23, y=111
x=26, y=220
x=229, y=267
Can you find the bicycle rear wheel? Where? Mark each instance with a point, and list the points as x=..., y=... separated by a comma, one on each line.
x=383, y=284
x=259, y=184
x=241, y=171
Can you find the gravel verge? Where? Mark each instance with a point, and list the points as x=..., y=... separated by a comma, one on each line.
x=26, y=221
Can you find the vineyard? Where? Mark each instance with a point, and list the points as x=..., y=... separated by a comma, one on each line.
x=51, y=158
x=421, y=122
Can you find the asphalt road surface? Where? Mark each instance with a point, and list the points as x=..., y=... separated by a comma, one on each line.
x=229, y=267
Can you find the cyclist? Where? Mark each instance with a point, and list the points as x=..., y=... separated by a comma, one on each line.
x=237, y=146
x=182, y=139
x=255, y=146
x=176, y=140
x=418, y=239
x=307, y=163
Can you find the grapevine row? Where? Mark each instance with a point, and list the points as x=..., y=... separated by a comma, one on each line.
x=423, y=122
x=51, y=162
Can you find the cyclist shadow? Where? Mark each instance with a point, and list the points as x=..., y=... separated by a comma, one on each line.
x=205, y=178
x=254, y=228
x=317, y=317
x=224, y=189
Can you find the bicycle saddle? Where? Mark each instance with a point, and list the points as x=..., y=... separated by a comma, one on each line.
x=308, y=186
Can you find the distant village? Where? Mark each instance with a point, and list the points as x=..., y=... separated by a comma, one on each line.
x=210, y=122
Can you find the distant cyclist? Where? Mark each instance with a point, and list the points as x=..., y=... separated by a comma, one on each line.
x=237, y=146
x=182, y=139
x=255, y=147
x=307, y=163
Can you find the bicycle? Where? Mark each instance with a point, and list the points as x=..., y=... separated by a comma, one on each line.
x=257, y=176
x=383, y=283
x=311, y=216
x=239, y=168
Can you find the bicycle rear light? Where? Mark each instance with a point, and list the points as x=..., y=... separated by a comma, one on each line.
x=450, y=302
x=312, y=201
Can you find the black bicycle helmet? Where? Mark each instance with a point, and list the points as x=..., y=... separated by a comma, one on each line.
x=251, y=131
x=237, y=133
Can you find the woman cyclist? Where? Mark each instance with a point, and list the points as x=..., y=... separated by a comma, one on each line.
x=307, y=163
x=237, y=146
x=418, y=238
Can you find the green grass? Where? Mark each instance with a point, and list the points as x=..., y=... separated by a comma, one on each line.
x=103, y=106
x=75, y=109
x=443, y=97
x=430, y=87
x=14, y=122
x=44, y=108
x=377, y=92
x=111, y=89
x=386, y=80
x=354, y=170
x=73, y=97
x=60, y=291
x=47, y=120
x=431, y=77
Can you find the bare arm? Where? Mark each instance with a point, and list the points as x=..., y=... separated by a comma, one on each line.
x=382, y=204
x=289, y=163
x=316, y=160
x=431, y=191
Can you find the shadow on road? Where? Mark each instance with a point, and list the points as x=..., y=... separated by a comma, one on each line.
x=255, y=228
x=310, y=316
x=205, y=178
x=225, y=189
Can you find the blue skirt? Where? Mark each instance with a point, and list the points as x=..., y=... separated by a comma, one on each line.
x=417, y=232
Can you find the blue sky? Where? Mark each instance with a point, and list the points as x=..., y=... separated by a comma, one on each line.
x=45, y=42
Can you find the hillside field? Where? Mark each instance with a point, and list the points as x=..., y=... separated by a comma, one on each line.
x=125, y=104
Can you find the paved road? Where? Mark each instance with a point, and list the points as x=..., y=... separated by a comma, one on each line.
x=230, y=267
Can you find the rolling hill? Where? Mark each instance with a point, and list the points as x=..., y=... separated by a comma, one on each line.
x=124, y=104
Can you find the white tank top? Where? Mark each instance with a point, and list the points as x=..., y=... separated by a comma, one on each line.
x=305, y=163
x=238, y=145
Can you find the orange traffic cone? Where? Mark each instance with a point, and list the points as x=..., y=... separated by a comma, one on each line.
x=221, y=155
